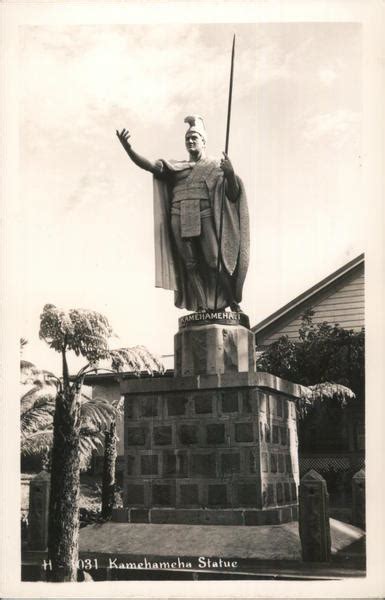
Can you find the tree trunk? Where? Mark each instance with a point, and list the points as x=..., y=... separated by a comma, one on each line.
x=108, y=485
x=63, y=531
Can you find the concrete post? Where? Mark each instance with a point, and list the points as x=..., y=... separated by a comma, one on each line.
x=358, y=499
x=314, y=527
x=39, y=489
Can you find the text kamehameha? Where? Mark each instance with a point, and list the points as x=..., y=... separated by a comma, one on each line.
x=203, y=562
x=210, y=316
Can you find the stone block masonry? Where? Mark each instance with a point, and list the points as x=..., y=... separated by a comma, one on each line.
x=210, y=450
x=216, y=443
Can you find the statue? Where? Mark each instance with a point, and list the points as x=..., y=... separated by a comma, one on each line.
x=187, y=211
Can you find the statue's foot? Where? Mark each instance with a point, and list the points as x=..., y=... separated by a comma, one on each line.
x=234, y=306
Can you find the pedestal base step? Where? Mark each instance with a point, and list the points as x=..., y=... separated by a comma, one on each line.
x=187, y=516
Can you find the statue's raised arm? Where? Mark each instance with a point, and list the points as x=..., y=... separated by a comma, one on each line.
x=188, y=198
x=140, y=161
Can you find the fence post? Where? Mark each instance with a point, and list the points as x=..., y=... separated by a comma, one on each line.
x=39, y=489
x=314, y=527
x=358, y=499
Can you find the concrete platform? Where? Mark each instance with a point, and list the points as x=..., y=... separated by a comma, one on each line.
x=262, y=543
x=125, y=551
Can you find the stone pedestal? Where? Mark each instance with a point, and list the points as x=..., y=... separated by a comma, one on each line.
x=217, y=442
x=213, y=343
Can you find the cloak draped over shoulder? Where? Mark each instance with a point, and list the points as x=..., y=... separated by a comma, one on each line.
x=170, y=272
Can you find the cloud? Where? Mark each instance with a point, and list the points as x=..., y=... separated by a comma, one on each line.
x=337, y=128
x=274, y=61
x=90, y=72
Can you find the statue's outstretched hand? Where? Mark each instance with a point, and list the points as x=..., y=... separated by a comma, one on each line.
x=124, y=136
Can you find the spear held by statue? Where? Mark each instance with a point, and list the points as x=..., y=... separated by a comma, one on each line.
x=219, y=260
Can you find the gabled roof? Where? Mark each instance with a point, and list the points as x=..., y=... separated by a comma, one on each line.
x=308, y=294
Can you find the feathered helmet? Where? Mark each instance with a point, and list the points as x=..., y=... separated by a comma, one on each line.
x=196, y=125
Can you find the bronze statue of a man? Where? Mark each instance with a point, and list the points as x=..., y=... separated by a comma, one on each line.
x=187, y=211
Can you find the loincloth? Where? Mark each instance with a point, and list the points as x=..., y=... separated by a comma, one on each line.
x=191, y=212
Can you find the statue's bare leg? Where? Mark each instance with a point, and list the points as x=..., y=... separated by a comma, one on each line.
x=187, y=251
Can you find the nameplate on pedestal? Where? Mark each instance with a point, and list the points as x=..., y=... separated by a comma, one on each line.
x=214, y=317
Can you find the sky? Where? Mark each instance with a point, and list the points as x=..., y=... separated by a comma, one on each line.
x=86, y=234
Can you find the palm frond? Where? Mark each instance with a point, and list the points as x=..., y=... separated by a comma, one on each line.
x=28, y=371
x=331, y=391
x=97, y=413
x=135, y=359
x=36, y=397
x=36, y=419
x=30, y=374
x=320, y=392
x=26, y=364
x=36, y=443
x=87, y=446
x=37, y=407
